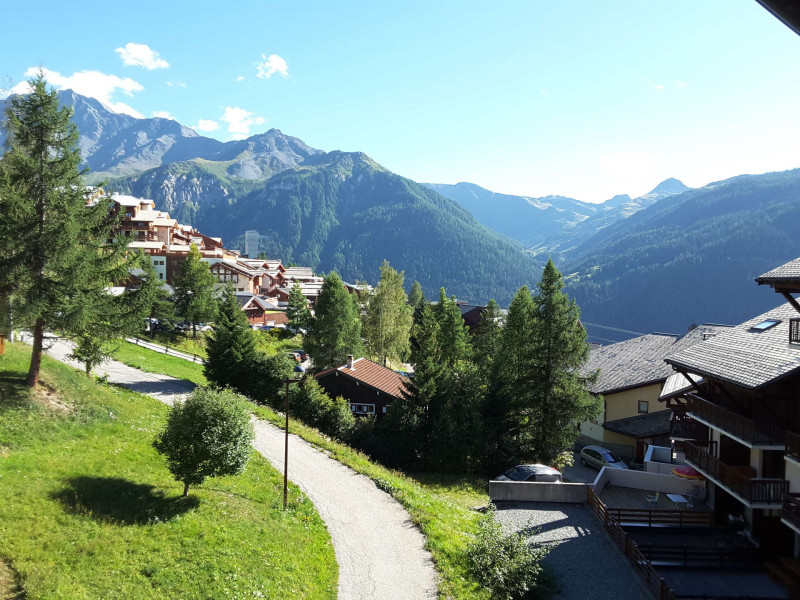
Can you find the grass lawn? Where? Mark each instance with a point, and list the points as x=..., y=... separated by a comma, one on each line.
x=89, y=509
x=156, y=362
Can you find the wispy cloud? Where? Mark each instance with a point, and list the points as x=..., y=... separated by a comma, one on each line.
x=658, y=86
x=272, y=64
x=94, y=84
x=141, y=55
x=240, y=78
x=240, y=121
x=162, y=114
x=682, y=84
x=206, y=125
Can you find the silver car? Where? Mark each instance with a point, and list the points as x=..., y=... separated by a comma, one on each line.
x=599, y=457
x=531, y=473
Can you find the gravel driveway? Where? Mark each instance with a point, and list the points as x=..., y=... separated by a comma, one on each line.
x=587, y=565
x=380, y=552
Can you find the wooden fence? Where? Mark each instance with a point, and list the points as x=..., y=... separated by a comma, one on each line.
x=655, y=517
x=641, y=565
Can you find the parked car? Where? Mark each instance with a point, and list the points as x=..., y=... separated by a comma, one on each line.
x=599, y=457
x=302, y=354
x=531, y=473
x=203, y=327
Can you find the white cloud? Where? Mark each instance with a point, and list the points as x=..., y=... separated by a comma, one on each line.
x=682, y=84
x=141, y=55
x=658, y=86
x=240, y=121
x=272, y=64
x=163, y=115
x=88, y=83
x=240, y=78
x=206, y=125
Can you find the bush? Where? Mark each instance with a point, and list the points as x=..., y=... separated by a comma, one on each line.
x=207, y=435
x=314, y=407
x=505, y=564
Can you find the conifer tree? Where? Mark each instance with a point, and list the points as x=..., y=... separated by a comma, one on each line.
x=416, y=296
x=388, y=320
x=486, y=341
x=194, y=290
x=56, y=261
x=298, y=313
x=336, y=327
x=232, y=345
x=454, y=334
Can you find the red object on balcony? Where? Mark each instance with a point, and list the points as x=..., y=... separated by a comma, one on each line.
x=687, y=472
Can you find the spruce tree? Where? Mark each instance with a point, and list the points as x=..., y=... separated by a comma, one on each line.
x=232, y=346
x=454, y=334
x=56, y=261
x=486, y=341
x=298, y=313
x=388, y=320
x=194, y=290
x=416, y=296
x=336, y=327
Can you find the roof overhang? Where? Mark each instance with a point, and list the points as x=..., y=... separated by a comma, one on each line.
x=787, y=11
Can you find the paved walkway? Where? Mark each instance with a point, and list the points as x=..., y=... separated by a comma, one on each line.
x=380, y=552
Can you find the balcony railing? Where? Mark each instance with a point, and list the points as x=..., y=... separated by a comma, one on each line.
x=683, y=427
x=793, y=445
x=794, y=331
x=735, y=479
x=791, y=509
x=748, y=430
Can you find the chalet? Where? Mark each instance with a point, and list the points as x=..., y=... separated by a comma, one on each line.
x=368, y=387
x=260, y=312
x=738, y=419
x=631, y=377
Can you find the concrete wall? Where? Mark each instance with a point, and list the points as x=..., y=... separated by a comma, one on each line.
x=531, y=491
x=793, y=475
x=658, y=459
x=641, y=480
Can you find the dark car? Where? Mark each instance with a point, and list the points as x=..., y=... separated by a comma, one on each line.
x=531, y=473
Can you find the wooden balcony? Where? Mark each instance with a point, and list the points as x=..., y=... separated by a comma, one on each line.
x=683, y=427
x=754, y=433
x=790, y=511
x=736, y=479
x=793, y=445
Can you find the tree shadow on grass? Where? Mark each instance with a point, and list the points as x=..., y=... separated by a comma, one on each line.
x=120, y=501
x=13, y=391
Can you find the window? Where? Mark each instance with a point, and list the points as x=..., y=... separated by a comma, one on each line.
x=764, y=325
x=644, y=406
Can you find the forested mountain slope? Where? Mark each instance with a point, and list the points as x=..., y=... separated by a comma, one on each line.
x=691, y=257
x=343, y=211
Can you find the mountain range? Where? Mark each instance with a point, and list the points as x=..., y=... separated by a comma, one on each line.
x=659, y=262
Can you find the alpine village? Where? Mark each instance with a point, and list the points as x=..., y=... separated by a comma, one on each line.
x=255, y=369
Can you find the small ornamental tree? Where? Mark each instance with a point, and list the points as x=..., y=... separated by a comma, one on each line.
x=207, y=435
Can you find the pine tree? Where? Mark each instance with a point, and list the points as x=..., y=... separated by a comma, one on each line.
x=416, y=296
x=486, y=341
x=298, y=313
x=56, y=261
x=538, y=391
x=336, y=327
x=232, y=345
x=194, y=290
x=454, y=334
x=388, y=320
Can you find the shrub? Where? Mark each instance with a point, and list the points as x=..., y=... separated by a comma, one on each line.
x=207, y=435
x=314, y=407
x=505, y=564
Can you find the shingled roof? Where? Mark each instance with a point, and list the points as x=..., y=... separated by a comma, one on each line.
x=372, y=374
x=640, y=360
x=642, y=426
x=783, y=275
x=745, y=356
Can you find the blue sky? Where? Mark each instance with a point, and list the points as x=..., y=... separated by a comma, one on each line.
x=582, y=98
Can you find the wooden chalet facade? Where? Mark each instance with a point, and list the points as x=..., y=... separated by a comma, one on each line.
x=736, y=404
x=368, y=387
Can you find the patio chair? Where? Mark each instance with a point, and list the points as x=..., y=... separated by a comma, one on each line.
x=653, y=499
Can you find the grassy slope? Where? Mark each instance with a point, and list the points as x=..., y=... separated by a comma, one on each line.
x=155, y=362
x=439, y=504
x=90, y=511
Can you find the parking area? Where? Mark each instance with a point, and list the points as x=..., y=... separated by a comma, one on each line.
x=577, y=473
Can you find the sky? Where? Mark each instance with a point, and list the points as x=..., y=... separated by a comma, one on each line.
x=583, y=99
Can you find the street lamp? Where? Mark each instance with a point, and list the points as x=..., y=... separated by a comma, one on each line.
x=298, y=369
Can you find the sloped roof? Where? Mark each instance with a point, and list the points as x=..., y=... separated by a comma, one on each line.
x=640, y=360
x=677, y=384
x=789, y=272
x=745, y=356
x=372, y=374
x=641, y=426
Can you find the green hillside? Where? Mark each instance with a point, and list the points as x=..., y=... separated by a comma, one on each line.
x=89, y=509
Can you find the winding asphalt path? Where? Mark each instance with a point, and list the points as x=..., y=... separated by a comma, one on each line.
x=380, y=552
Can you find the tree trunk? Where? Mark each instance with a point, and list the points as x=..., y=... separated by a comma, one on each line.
x=185, y=489
x=36, y=355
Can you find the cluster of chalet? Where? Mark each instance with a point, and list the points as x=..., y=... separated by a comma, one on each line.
x=262, y=285
x=728, y=399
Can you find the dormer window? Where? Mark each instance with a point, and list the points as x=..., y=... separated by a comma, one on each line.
x=764, y=325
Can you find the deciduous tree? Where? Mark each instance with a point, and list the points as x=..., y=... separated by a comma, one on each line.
x=388, y=320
